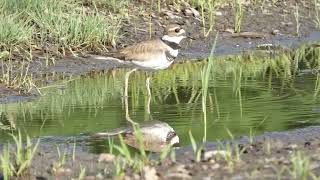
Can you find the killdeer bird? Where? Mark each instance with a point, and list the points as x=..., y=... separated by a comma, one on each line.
x=156, y=54
x=153, y=54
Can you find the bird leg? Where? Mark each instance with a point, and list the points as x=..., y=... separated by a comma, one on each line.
x=126, y=96
x=149, y=95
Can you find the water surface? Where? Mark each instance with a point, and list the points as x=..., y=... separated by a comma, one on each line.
x=241, y=99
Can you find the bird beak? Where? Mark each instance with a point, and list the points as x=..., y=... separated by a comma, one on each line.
x=189, y=36
x=182, y=31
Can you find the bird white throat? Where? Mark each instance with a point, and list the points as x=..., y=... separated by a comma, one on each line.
x=174, y=39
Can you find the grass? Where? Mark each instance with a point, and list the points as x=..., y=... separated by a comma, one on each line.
x=61, y=161
x=317, y=87
x=196, y=150
x=15, y=32
x=297, y=19
x=63, y=24
x=300, y=166
x=22, y=159
x=6, y=165
x=52, y=28
x=208, y=18
x=205, y=74
x=238, y=11
x=126, y=160
x=317, y=13
x=82, y=173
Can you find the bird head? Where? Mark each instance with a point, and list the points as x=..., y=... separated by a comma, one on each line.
x=174, y=33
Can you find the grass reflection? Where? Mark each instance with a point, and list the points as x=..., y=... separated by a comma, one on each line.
x=241, y=91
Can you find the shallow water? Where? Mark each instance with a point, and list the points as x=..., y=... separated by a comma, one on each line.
x=249, y=105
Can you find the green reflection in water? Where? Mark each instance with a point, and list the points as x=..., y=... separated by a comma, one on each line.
x=263, y=93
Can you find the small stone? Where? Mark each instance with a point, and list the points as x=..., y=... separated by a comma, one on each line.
x=189, y=11
x=136, y=176
x=170, y=15
x=150, y=173
x=89, y=178
x=99, y=176
x=205, y=167
x=218, y=13
x=286, y=23
x=195, y=12
x=177, y=176
x=275, y=32
x=215, y=166
x=208, y=155
x=229, y=30
x=313, y=166
x=308, y=143
x=68, y=171
x=293, y=146
x=212, y=161
x=106, y=157
x=266, y=12
x=65, y=171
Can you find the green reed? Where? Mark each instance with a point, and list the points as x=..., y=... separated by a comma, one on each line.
x=23, y=155
x=238, y=15
x=205, y=74
x=317, y=15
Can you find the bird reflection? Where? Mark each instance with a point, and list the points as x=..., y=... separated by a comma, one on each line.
x=156, y=135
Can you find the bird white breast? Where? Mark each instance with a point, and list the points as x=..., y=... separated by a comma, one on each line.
x=155, y=63
x=174, y=52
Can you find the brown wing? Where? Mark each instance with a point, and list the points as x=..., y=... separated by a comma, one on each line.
x=143, y=50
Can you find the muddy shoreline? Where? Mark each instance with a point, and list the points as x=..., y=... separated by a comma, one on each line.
x=256, y=160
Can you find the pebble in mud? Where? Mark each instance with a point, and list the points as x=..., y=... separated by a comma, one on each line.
x=207, y=156
x=215, y=166
x=150, y=173
x=178, y=172
x=275, y=32
x=105, y=157
x=89, y=178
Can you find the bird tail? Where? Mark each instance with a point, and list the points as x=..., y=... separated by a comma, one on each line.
x=106, y=58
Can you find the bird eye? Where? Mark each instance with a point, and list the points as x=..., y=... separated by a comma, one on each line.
x=177, y=30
